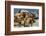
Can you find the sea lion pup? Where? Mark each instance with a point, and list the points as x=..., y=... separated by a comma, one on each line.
x=17, y=19
x=29, y=19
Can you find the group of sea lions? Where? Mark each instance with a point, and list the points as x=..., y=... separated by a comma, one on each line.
x=24, y=18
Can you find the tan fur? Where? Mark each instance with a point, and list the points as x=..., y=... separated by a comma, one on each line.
x=23, y=18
